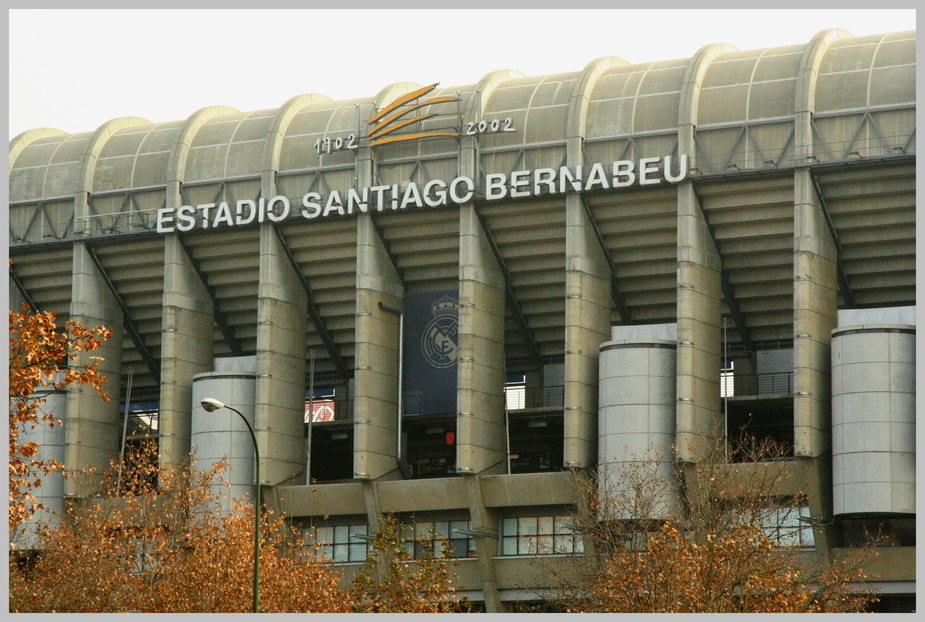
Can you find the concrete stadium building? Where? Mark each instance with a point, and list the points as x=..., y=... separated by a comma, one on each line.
x=474, y=290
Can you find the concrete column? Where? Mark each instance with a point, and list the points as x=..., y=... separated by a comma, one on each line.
x=375, y=425
x=481, y=443
x=16, y=297
x=92, y=430
x=280, y=395
x=186, y=348
x=815, y=310
x=587, y=326
x=699, y=413
x=486, y=548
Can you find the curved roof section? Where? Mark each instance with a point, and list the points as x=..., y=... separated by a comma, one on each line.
x=636, y=99
x=738, y=87
x=136, y=157
x=538, y=107
x=49, y=167
x=228, y=145
x=867, y=72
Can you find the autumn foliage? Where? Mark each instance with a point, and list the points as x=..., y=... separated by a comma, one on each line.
x=699, y=543
x=393, y=582
x=170, y=548
x=42, y=358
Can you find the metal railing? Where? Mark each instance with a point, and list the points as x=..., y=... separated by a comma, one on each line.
x=522, y=398
x=777, y=383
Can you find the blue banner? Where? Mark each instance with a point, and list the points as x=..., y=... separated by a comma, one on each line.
x=431, y=347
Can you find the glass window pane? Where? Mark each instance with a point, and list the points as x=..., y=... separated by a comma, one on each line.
x=340, y=552
x=458, y=524
x=358, y=529
x=357, y=552
x=327, y=551
x=325, y=535
x=423, y=530
x=545, y=525
x=441, y=529
x=563, y=525
x=579, y=544
x=528, y=545
x=459, y=547
x=341, y=534
x=509, y=546
x=526, y=526
x=509, y=527
x=409, y=548
x=563, y=544
x=544, y=545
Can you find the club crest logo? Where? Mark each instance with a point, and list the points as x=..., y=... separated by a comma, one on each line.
x=440, y=339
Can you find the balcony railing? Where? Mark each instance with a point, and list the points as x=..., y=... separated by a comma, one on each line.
x=778, y=383
x=522, y=398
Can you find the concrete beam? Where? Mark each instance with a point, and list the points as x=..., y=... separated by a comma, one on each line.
x=280, y=391
x=815, y=309
x=218, y=317
x=480, y=424
x=588, y=286
x=91, y=428
x=186, y=348
x=314, y=313
x=127, y=321
x=18, y=293
x=699, y=415
x=376, y=377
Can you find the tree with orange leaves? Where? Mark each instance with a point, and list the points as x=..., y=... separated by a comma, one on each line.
x=703, y=540
x=168, y=548
x=394, y=582
x=42, y=357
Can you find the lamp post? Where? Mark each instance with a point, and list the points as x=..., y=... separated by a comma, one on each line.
x=210, y=404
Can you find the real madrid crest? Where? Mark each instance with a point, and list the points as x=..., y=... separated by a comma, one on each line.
x=439, y=341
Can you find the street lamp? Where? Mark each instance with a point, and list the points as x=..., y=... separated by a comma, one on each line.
x=210, y=404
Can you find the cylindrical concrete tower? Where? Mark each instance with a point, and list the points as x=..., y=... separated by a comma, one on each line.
x=637, y=422
x=50, y=442
x=873, y=419
x=222, y=433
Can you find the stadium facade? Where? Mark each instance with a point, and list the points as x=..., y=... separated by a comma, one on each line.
x=438, y=301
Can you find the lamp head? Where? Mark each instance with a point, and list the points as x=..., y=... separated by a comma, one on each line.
x=211, y=404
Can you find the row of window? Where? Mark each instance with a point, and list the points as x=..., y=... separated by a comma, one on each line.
x=533, y=535
x=525, y=535
x=350, y=543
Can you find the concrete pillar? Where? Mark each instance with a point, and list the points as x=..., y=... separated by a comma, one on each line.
x=280, y=396
x=186, y=348
x=481, y=444
x=699, y=412
x=92, y=430
x=486, y=547
x=587, y=326
x=376, y=415
x=815, y=310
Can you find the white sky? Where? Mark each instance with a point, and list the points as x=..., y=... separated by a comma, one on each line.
x=76, y=69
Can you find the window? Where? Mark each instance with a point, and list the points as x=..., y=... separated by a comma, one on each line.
x=337, y=545
x=539, y=535
x=515, y=391
x=422, y=539
x=783, y=525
